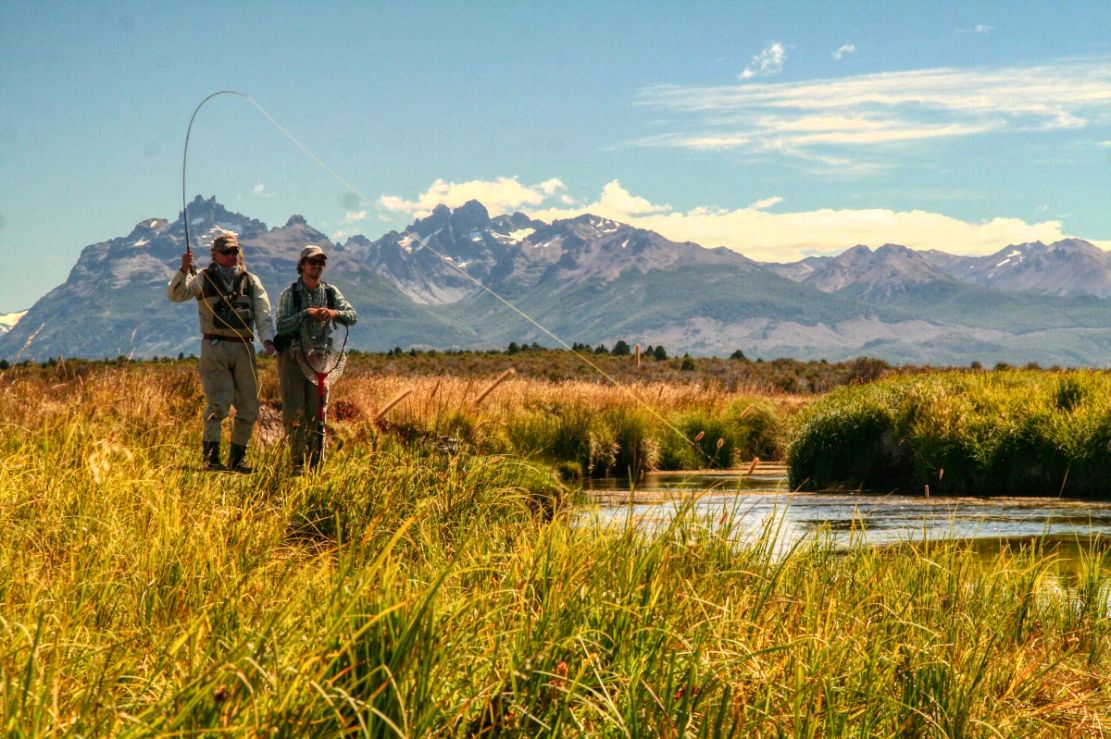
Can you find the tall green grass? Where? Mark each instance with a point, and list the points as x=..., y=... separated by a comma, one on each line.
x=586, y=430
x=1013, y=433
x=409, y=591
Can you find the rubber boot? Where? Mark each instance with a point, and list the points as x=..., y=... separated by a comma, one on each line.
x=212, y=456
x=236, y=459
x=315, y=454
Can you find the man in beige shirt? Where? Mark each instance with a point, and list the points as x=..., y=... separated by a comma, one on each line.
x=234, y=308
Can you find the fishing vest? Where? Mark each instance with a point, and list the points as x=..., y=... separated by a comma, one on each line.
x=223, y=312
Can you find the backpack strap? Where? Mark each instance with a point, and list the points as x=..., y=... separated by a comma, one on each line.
x=296, y=296
x=329, y=292
x=242, y=278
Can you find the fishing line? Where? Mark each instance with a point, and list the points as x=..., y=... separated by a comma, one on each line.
x=443, y=257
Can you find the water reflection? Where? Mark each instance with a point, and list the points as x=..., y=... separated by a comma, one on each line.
x=753, y=504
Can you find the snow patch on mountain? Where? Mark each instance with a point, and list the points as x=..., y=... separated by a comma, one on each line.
x=9, y=320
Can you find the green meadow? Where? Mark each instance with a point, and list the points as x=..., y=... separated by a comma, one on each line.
x=443, y=576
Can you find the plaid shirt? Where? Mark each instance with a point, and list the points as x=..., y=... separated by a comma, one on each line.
x=290, y=319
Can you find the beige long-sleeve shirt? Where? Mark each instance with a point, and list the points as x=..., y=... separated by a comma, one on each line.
x=185, y=286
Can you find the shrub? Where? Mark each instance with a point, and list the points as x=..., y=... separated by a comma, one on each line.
x=1008, y=432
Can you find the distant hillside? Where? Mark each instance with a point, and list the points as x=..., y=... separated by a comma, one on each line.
x=593, y=280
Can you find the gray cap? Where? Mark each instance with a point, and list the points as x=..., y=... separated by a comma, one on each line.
x=312, y=251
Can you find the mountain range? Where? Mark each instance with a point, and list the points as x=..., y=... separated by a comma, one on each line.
x=593, y=280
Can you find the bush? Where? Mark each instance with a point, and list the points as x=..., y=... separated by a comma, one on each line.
x=852, y=445
x=1003, y=433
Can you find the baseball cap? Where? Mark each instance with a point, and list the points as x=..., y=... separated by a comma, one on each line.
x=226, y=240
x=312, y=251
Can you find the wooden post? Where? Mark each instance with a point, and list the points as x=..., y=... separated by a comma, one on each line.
x=638, y=356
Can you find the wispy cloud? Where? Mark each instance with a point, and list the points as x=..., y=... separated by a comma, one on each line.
x=768, y=62
x=355, y=216
x=260, y=191
x=981, y=28
x=843, y=50
x=766, y=203
x=808, y=119
x=501, y=195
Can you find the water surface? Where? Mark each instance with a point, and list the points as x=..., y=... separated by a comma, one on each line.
x=754, y=502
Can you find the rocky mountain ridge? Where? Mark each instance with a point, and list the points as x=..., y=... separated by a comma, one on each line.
x=593, y=280
x=1067, y=268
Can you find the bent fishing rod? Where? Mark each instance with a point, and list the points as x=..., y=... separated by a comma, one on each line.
x=184, y=164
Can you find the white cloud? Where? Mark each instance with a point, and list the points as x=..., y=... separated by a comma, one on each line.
x=260, y=191
x=752, y=230
x=766, y=203
x=502, y=195
x=767, y=62
x=355, y=216
x=616, y=199
x=843, y=50
x=983, y=28
x=805, y=119
x=790, y=236
x=1105, y=143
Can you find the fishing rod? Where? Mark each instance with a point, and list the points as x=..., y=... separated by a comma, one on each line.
x=185, y=160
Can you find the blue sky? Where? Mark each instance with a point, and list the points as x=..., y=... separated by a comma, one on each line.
x=778, y=129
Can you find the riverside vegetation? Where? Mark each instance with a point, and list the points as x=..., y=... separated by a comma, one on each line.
x=1009, y=432
x=432, y=580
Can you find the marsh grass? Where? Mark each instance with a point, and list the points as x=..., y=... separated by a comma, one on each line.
x=582, y=428
x=1010, y=433
x=405, y=591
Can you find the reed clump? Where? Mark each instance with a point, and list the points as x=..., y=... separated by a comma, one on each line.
x=1015, y=433
x=582, y=428
x=412, y=590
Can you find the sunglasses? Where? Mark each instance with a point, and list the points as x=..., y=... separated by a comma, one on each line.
x=232, y=250
x=316, y=262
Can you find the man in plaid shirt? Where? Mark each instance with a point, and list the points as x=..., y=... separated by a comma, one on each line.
x=307, y=312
